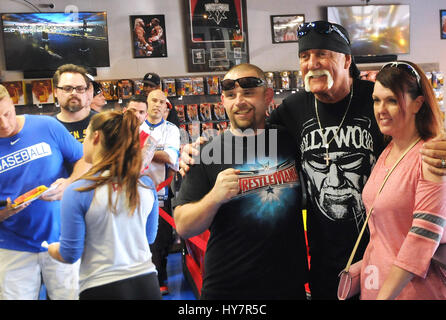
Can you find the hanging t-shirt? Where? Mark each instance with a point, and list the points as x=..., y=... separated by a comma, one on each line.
x=335, y=212
x=256, y=248
x=34, y=157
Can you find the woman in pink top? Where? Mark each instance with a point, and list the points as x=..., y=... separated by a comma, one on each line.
x=406, y=225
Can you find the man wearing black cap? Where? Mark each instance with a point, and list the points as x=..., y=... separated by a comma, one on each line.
x=339, y=142
x=151, y=82
x=98, y=102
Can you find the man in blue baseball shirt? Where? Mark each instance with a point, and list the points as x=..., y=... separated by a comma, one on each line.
x=33, y=150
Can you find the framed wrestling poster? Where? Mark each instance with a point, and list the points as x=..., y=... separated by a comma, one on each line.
x=148, y=36
x=216, y=34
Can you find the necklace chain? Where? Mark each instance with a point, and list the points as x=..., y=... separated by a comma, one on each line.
x=327, y=143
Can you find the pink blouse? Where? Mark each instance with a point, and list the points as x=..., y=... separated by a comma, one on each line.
x=406, y=227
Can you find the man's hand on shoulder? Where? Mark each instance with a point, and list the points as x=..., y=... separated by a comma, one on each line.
x=434, y=155
x=189, y=151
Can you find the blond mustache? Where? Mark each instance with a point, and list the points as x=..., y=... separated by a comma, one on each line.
x=317, y=73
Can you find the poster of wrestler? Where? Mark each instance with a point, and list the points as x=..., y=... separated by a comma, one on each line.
x=148, y=36
x=216, y=34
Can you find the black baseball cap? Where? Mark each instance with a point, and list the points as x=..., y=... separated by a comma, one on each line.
x=97, y=88
x=326, y=35
x=152, y=78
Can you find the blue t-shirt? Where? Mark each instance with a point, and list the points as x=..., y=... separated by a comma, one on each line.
x=34, y=157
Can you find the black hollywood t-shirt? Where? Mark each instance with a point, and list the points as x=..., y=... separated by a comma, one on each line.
x=256, y=248
x=335, y=212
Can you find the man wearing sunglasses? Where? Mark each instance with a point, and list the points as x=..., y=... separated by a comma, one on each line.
x=246, y=190
x=74, y=97
x=339, y=142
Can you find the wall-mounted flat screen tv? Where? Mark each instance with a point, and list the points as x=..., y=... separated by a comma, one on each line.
x=44, y=41
x=374, y=29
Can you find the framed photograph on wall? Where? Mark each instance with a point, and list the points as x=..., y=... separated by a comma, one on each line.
x=284, y=27
x=443, y=24
x=148, y=36
x=216, y=34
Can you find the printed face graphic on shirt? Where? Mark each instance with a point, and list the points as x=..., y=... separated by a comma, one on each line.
x=336, y=188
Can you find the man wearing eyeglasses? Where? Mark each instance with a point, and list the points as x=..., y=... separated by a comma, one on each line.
x=72, y=83
x=245, y=189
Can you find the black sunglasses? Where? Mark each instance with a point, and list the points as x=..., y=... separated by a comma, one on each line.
x=322, y=27
x=245, y=83
x=406, y=67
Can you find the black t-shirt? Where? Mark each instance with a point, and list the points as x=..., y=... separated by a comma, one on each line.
x=78, y=129
x=335, y=212
x=256, y=248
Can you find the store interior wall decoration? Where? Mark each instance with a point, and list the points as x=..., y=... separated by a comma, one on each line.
x=216, y=34
x=284, y=27
x=148, y=36
x=443, y=24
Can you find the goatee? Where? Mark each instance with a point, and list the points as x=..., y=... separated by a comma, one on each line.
x=73, y=108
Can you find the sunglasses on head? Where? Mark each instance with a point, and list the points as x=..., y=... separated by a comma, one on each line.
x=245, y=83
x=406, y=67
x=322, y=27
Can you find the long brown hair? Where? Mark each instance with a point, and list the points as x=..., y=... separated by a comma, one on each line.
x=121, y=156
x=400, y=81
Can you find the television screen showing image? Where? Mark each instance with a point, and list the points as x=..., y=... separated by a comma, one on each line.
x=374, y=29
x=44, y=41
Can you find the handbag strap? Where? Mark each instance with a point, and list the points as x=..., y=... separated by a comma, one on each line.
x=352, y=255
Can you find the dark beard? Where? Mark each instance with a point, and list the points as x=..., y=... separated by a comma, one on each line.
x=72, y=108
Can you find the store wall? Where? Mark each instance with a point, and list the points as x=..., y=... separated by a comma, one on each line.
x=425, y=45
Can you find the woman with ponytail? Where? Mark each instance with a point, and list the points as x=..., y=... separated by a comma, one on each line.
x=110, y=215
